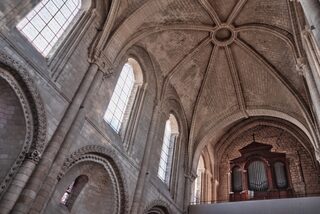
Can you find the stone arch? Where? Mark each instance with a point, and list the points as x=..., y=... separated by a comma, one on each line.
x=107, y=164
x=207, y=186
x=216, y=131
x=295, y=143
x=28, y=114
x=157, y=207
x=145, y=92
x=303, y=139
x=147, y=65
x=74, y=190
x=171, y=104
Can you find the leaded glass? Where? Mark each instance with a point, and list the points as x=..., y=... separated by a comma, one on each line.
x=45, y=24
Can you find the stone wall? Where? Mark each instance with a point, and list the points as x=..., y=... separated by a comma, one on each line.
x=12, y=128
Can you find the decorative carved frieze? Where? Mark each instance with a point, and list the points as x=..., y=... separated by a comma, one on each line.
x=34, y=113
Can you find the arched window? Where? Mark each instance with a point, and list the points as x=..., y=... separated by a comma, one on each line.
x=44, y=25
x=73, y=191
x=258, y=180
x=236, y=179
x=171, y=133
x=198, y=181
x=123, y=96
x=281, y=175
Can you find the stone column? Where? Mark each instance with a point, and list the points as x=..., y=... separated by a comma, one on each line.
x=229, y=184
x=12, y=194
x=32, y=188
x=204, y=188
x=245, y=181
x=51, y=180
x=189, y=179
x=305, y=70
x=313, y=54
x=311, y=10
x=144, y=174
x=209, y=186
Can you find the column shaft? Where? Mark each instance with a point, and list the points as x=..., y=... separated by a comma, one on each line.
x=32, y=188
x=311, y=10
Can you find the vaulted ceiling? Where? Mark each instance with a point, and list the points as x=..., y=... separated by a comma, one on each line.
x=223, y=57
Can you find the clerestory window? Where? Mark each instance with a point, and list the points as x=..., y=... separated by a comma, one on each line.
x=166, y=158
x=122, y=99
x=45, y=24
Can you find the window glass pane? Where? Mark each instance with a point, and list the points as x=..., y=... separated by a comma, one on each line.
x=59, y=3
x=49, y=18
x=66, y=11
x=40, y=42
x=38, y=23
x=52, y=8
x=48, y=34
x=54, y=26
x=31, y=32
x=164, y=157
x=60, y=18
x=120, y=98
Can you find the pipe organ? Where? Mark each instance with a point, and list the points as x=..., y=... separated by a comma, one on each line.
x=259, y=174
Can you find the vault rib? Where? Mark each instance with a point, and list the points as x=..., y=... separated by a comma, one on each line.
x=197, y=103
x=184, y=60
x=296, y=27
x=211, y=11
x=236, y=10
x=275, y=31
x=274, y=72
x=236, y=81
x=141, y=34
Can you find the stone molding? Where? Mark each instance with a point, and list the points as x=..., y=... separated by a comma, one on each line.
x=108, y=158
x=302, y=66
x=157, y=203
x=35, y=117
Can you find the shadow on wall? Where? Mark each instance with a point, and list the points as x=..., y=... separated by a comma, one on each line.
x=12, y=128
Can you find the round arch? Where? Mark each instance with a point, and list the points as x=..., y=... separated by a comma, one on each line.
x=146, y=67
x=283, y=137
x=82, y=162
x=157, y=207
x=216, y=131
x=25, y=101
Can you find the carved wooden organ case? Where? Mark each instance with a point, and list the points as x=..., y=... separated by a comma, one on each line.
x=259, y=174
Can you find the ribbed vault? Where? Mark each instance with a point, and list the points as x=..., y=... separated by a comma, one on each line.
x=223, y=57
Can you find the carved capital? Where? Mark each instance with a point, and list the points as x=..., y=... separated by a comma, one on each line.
x=103, y=64
x=302, y=66
x=191, y=176
x=34, y=156
x=306, y=31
